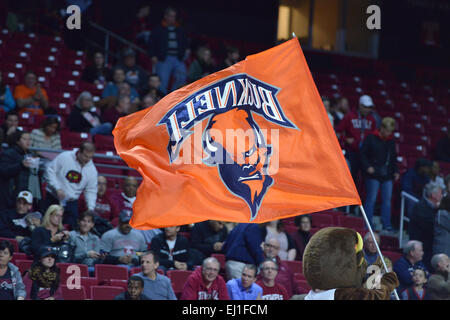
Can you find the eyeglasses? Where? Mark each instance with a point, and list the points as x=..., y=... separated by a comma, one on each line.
x=211, y=270
x=271, y=246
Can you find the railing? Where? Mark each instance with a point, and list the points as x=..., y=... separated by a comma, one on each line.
x=108, y=35
x=404, y=195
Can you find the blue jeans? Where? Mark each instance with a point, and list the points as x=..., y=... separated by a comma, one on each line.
x=372, y=187
x=104, y=129
x=165, y=68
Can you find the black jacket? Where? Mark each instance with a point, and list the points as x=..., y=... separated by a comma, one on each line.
x=375, y=153
x=79, y=123
x=203, y=237
x=92, y=73
x=12, y=224
x=40, y=237
x=13, y=176
x=181, y=251
x=159, y=42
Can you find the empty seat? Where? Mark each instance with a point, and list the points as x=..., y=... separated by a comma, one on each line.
x=295, y=266
x=73, y=293
x=74, y=139
x=119, y=283
x=88, y=282
x=104, y=143
x=23, y=265
x=351, y=222
x=178, y=279
x=105, y=292
x=106, y=272
x=321, y=220
x=221, y=258
x=75, y=269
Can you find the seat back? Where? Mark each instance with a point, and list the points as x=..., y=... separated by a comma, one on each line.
x=106, y=272
x=105, y=292
x=73, y=293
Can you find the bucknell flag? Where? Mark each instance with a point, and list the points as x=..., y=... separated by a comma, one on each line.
x=250, y=143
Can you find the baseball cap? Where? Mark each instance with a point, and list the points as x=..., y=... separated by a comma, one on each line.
x=26, y=195
x=125, y=215
x=46, y=251
x=129, y=52
x=366, y=101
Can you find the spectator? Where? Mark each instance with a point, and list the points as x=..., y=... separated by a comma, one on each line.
x=168, y=45
x=152, y=88
x=122, y=244
x=147, y=102
x=173, y=250
x=68, y=175
x=125, y=90
x=339, y=110
x=422, y=218
x=245, y=288
x=10, y=125
x=447, y=185
x=30, y=97
x=86, y=244
x=122, y=109
x=205, y=283
x=411, y=260
x=98, y=72
x=272, y=290
x=43, y=279
x=353, y=128
x=135, y=76
x=208, y=237
x=242, y=246
x=51, y=233
x=11, y=284
x=112, y=88
x=13, y=224
x=435, y=175
x=327, y=104
x=202, y=66
x=443, y=147
x=275, y=229
x=47, y=137
x=441, y=231
x=439, y=283
x=370, y=249
x=156, y=286
x=284, y=275
x=84, y=117
x=379, y=165
x=134, y=291
x=303, y=234
x=417, y=291
x=414, y=180
x=125, y=200
x=7, y=102
x=231, y=58
x=105, y=207
x=142, y=26
x=18, y=170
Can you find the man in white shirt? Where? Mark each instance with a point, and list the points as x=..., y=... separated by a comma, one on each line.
x=67, y=176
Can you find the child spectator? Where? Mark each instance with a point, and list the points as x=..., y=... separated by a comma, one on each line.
x=135, y=287
x=417, y=291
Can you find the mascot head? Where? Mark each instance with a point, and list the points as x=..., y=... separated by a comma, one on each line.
x=334, y=258
x=235, y=144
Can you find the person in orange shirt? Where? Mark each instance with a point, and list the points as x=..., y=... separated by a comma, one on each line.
x=30, y=97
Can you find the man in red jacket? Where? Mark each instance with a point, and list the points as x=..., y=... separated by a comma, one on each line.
x=352, y=130
x=205, y=283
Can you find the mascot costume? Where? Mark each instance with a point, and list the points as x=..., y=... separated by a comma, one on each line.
x=335, y=268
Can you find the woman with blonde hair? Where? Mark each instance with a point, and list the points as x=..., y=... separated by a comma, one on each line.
x=51, y=232
x=379, y=164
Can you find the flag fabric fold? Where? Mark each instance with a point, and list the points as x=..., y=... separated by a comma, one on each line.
x=250, y=143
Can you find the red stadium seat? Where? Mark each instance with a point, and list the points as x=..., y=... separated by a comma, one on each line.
x=105, y=292
x=387, y=242
x=74, y=139
x=119, y=283
x=104, y=143
x=88, y=282
x=106, y=272
x=351, y=222
x=23, y=265
x=321, y=220
x=178, y=279
x=136, y=270
x=73, y=293
x=393, y=256
x=304, y=285
x=19, y=256
x=299, y=276
x=295, y=266
x=221, y=258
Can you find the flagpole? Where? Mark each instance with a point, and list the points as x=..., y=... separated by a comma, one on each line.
x=376, y=245
x=293, y=35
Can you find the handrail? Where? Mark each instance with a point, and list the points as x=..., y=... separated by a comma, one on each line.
x=404, y=195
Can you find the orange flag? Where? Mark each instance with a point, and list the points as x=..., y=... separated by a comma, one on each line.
x=250, y=143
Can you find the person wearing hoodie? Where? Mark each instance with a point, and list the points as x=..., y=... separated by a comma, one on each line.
x=11, y=284
x=205, y=283
x=379, y=164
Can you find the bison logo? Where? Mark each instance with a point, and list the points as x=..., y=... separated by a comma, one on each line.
x=243, y=157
